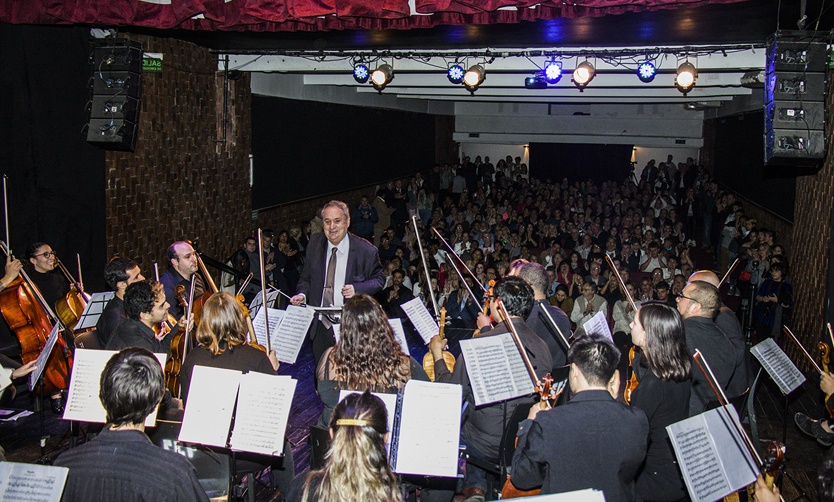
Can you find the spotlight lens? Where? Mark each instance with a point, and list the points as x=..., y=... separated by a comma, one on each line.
x=455, y=74
x=553, y=72
x=473, y=77
x=685, y=78
x=583, y=74
x=379, y=77
x=646, y=71
x=360, y=73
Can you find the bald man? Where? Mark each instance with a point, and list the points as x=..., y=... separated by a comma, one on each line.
x=727, y=322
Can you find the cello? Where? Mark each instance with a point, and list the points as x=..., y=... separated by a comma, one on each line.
x=32, y=320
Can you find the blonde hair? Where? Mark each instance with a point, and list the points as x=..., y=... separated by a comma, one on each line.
x=222, y=324
x=356, y=466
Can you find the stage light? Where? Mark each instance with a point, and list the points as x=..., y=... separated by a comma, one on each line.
x=455, y=74
x=361, y=73
x=685, y=79
x=474, y=77
x=535, y=82
x=382, y=76
x=553, y=71
x=646, y=71
x=583, y=74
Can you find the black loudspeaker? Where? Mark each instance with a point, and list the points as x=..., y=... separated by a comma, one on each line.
x=795, y=99
x=116, y=87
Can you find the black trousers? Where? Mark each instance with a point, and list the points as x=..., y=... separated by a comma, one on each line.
x=322, y=339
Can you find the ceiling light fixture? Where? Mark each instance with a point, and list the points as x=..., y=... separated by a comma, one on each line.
x=474, y=77
x=382, y=76
x=583, y=74
x=685, y=79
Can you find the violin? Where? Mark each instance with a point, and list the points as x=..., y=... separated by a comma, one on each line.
x=448, y=358
x=485, y=310
x=632, y=382
x=72, y=305
x=178, y=342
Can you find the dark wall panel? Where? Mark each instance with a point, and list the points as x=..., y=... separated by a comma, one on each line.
x=305, y=149
x=739, y=164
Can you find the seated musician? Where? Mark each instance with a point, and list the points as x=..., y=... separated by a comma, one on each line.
x=183, y=269
x=483, y=426
x=357, y=467
x=593, y=441
x=121, y=463
x=119, y=273
x=51, y=283
x=146, y=307
x=366, y=357
x=222, y=338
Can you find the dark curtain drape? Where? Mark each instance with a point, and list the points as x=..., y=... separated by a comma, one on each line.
x=578, y=162
x=314, y=15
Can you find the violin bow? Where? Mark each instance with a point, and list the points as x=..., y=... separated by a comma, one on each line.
x=703, y=365
x=793, y=337
x=156, y=271
x=517, y=340
x=452, y=250
x=729, y=271
x=830, y=334
x=6, y=214
x=263, y=289
x=621, y=282
x=425, y=268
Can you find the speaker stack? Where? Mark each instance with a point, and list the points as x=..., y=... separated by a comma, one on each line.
x=116, y=87
x=795, y=99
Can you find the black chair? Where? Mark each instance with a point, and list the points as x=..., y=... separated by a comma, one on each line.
x=319, y=444
x=88, y=340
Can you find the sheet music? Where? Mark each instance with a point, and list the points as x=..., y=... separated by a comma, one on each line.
x=430, y=429
x=495, y=368
x=421, y=318
x=275, y=317
x=291, y=332
x=83, y=403
x=399, y=333
x=263, y=408
x=43, y=357
x=211, y=401
x=5, y=377
x=598, y=325
x=712, y=455
x=89, y=317
x=586, y=495
x=777, y=364
x=31, y=482
x=271, y=295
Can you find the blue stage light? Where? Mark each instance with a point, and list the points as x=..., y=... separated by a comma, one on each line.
x=361, y=73
x=646, y=71
x=455, y=74
x=553, y=71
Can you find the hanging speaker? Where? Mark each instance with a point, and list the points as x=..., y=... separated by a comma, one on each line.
x=116, y=86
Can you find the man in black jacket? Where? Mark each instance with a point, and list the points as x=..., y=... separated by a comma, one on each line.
x=119, y=273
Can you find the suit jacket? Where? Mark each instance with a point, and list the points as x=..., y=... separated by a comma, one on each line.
x=727, y=322
x=537, y=321
x=593, y=441
x=363, y=271
x=720, y=354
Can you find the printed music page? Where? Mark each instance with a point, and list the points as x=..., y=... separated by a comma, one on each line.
x=712, y=455
x=89, y=317
x=263, y=407
x=291, y=333
x=495, y=368
x=83, y=403
x=211, y=401
x=43, y=357
x=31, y=482
x=399, y=334
x=275, y=317
x=430, y=429
x=421, y=318
x=598, y=325
x=586, y=495
x=777, y=364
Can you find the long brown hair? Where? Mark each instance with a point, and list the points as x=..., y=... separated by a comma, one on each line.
x=367, y=355
x=222, y=324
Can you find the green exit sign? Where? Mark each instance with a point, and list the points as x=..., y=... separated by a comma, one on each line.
x=152, y=61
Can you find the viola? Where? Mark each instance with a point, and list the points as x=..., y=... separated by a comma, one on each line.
x=178, y=342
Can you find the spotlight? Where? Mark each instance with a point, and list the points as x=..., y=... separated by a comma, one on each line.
x=455, y=74
x=361, y=73
x=646, y=71
x=553, y=71
x=536, y=82
x=583, y=74
x=685, y=79
x=382, y=76
x=474, y=77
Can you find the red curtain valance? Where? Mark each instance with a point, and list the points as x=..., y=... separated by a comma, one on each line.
x=314, y=15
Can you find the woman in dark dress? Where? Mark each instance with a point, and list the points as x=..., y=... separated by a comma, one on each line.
x=366, y=357
x=357, y=464
x=664, y=369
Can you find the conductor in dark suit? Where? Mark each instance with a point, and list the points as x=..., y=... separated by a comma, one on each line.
x=338, y=266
